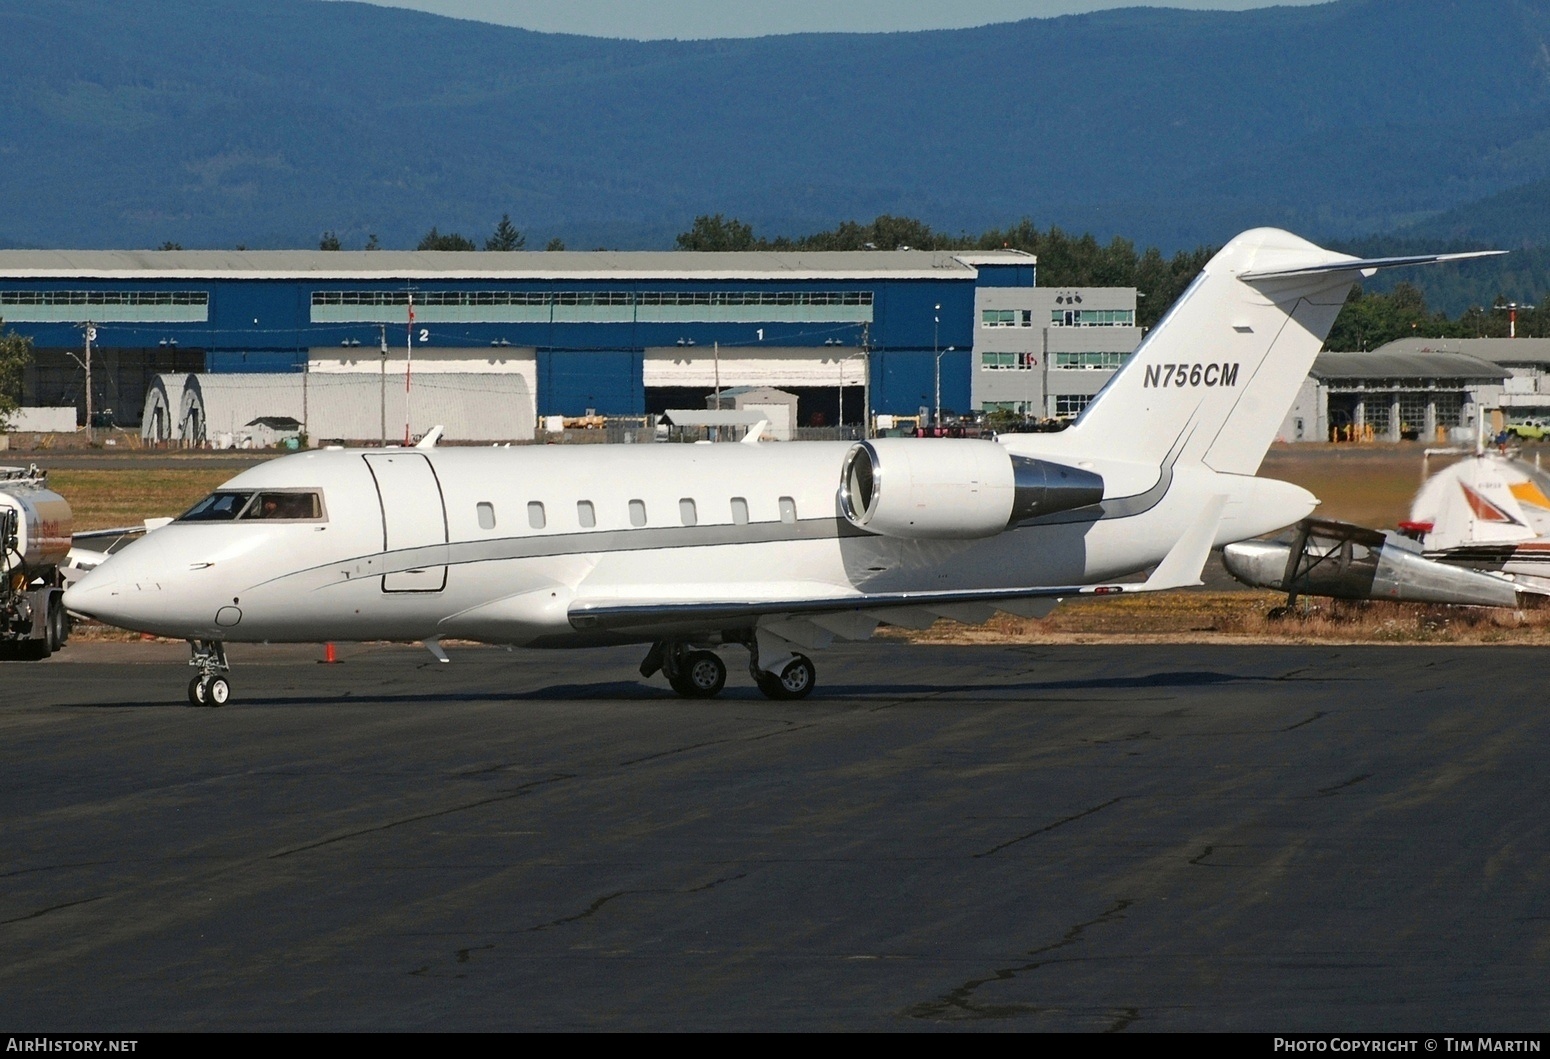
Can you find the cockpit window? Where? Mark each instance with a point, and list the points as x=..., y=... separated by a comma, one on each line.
x=217, y=507
x=227, y=506
x=284, y=506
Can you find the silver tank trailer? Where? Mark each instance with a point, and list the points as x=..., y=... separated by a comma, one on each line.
x=35, y=529
x=43, y=523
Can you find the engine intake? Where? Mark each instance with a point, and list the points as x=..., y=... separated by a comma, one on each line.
x=954, y=489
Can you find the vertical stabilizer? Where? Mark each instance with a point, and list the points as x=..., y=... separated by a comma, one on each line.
x=1216, y=377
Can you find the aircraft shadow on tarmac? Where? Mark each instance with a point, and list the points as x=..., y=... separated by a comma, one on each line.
x=635, y=690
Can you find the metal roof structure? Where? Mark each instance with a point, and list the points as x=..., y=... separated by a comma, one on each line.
x=1384, y=364
x=1496, y=350
x=496, y=265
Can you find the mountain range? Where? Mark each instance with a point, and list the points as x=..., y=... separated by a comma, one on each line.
x=225, y=122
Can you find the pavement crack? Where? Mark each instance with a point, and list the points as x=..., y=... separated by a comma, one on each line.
x=593, y=908
x=961, y=1003
x=505, y=796
x=1049, y=827
x=1325, y=792
x=54, y=867
x=1308, y=720
x=1200, y=859
x=51, y=908
x=675, y=750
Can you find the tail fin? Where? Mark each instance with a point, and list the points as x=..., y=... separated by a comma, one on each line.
x=1214, y=380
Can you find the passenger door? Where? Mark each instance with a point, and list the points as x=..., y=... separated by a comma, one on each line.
x=413, y=515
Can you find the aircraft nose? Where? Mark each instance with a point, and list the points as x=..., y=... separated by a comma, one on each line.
x=121, y=591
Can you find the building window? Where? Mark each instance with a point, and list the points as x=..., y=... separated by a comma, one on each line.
x=507, y=297
x=1092, y=318
x=585, y=514
x=535, y=514
x=1008, y=361
x=1071, y=404
x=104, y=297
x=739, y=511
x=1107, y=361
x=637, y=512
x=486, y=515
x=998, y=317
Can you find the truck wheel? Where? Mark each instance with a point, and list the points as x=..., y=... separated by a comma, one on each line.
x=58, y=624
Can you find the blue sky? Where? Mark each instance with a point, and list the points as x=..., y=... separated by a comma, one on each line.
x=654, y=19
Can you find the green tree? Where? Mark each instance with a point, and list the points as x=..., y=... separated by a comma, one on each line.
x=717, y=233
x=434, y=240
x=505, y=237
x=15, y=355
x=330, y=241
x=170, y=245
x=1369, y=320
x=371, y=242
x=555, y=244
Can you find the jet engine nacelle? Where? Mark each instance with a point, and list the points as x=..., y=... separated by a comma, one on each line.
x=954, y=489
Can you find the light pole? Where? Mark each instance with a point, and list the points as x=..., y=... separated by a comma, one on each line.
x=936, y=342
x=864, y=356
x=382, y=381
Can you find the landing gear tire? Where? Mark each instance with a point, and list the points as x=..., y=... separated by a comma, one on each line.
x=700, y=675
x=795, y=681
x=209, y=691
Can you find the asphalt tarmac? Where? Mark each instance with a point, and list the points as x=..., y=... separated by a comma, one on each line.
x=1005, y=838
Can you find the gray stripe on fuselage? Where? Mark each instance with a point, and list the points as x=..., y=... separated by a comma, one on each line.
x=660, y=538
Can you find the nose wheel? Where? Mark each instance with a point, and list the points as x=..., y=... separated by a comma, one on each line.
x=211, y=687
x=209, y=691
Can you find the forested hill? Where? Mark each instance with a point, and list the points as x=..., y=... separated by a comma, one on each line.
x=225, y=122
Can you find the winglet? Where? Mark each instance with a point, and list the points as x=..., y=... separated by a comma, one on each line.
x=1182, y=566
x=755, y=432
x=431, y=437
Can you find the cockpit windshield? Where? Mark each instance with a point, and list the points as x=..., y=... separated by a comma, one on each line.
x=277, y=505
x=217, y=507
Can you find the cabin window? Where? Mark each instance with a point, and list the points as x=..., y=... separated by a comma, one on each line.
x=686, y=512
x=788, y=510
x=739, y=511
x=637, y=512
x=535, y=514
x=284, y=507
x=585, y=514
x=486, y=515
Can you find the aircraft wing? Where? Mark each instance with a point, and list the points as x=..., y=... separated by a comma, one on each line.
x=1179, y=569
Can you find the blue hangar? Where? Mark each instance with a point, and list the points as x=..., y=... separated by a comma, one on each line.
x=618, y=333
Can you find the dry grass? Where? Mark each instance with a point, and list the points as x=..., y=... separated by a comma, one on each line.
x=102, y=499
x=1248, y=617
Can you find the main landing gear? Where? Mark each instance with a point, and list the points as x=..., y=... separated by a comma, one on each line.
x=698, y=673
x=210, y=687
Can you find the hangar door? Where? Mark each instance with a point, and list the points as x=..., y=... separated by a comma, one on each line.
x=413, y=515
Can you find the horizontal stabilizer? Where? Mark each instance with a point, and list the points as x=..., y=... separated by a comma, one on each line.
x=1360, y=264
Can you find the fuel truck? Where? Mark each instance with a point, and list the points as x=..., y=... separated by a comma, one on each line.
x=34, y=546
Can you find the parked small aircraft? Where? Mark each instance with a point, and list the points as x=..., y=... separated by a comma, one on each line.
x=1478, y=535
x=778, y=548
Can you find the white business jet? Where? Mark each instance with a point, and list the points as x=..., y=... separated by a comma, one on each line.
x=778, y=548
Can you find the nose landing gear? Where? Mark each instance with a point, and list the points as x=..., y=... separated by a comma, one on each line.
x=210, y=687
